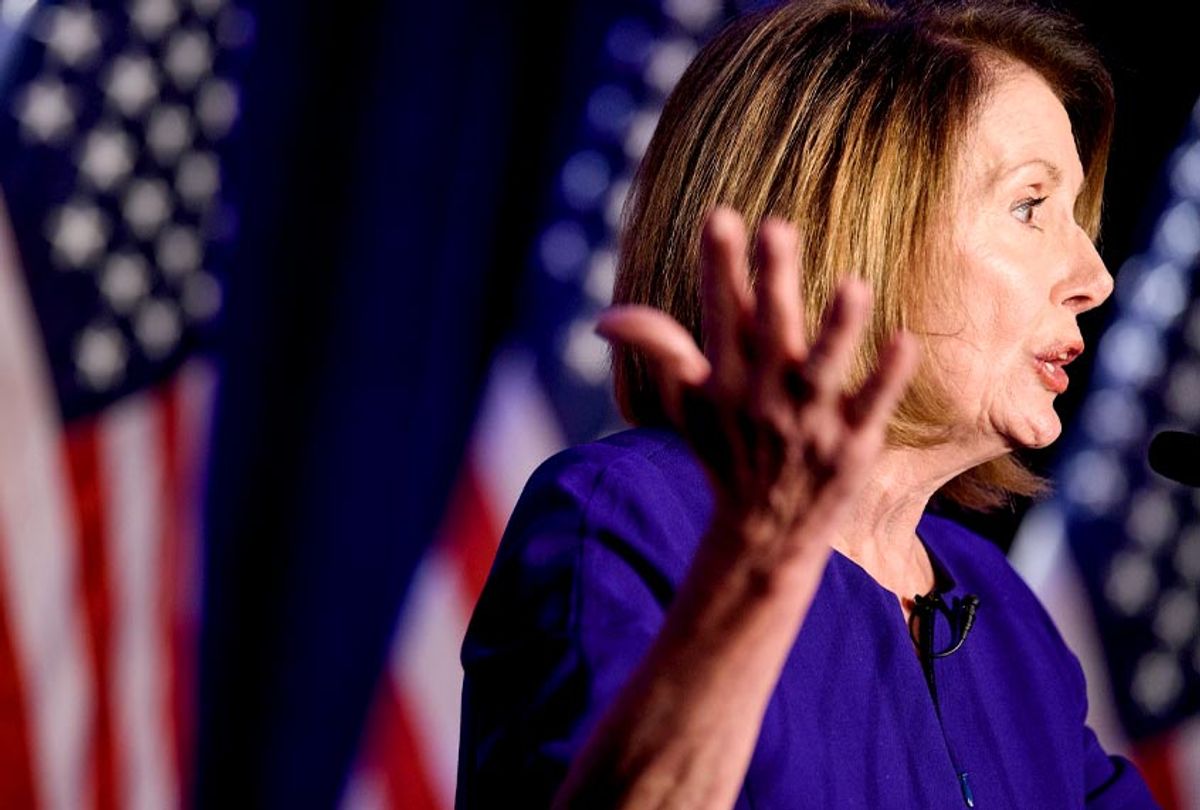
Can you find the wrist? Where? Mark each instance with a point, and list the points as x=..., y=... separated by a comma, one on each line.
x=732, y=581
x=762, y=557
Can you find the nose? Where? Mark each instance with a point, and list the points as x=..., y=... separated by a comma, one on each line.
x=1088, y=283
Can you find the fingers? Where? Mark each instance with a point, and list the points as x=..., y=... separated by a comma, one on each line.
x=774, y=323
x=725, y=297
x=871, y=408
x=780, y=309
x=834, y=350
x=660, y=336
x=669, y=346
x=867, y=415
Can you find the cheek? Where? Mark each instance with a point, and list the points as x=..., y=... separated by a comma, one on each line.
x=999, y=298
x=981, y=333
x=995, y=393
x=981, y=349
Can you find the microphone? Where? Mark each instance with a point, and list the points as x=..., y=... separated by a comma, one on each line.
x=961, y=617
x=1175, y=454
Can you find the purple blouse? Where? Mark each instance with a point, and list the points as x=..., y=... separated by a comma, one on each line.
x=597, y=546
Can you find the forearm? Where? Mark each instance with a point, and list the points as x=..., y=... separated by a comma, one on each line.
x=682, y=731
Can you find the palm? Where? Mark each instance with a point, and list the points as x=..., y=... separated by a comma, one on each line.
x=785, y=447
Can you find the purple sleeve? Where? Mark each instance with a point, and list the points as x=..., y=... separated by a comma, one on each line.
x=574, y=599
x=1112, y=782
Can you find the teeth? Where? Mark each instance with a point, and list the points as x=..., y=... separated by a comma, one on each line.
x=1062, y=356
x=1050, y=367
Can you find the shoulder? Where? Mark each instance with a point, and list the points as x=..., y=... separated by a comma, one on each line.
x=587, y=564
x=630, y=483
x=609, y=523
x=640, y=456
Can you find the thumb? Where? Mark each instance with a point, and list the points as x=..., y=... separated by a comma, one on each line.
x=677, y=361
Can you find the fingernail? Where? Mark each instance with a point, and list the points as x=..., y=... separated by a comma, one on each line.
x=724, y=221
x=853, y=290
x=604, y=316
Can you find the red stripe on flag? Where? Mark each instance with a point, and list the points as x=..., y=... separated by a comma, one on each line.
x=16, y=777
x=1155, y=758
x=470, y=533
x=83, y=465
x=173, y=579
x=394, y=754
x=391, y=752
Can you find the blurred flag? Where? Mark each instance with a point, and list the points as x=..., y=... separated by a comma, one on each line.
x=1115, y=555
x=548, y=386
x=111, y=116
x=381, y=165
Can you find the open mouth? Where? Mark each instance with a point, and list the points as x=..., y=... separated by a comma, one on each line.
x=1053, y=376
x=1050, y=367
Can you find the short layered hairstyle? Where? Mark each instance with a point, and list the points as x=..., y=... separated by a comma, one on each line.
x=848, y=118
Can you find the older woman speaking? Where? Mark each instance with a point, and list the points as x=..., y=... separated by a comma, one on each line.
x=746, y=601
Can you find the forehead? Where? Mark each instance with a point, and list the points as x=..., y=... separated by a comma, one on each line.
x=1021, y=122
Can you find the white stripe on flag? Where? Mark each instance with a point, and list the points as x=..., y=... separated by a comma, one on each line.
x=516, y=431
x=37, y=532
x=131, y=459
x=1042, y=557
x=425, y=666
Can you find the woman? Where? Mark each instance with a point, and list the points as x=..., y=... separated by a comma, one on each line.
x=745, y=602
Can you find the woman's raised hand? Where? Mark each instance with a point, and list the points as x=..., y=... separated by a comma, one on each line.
x=786, y=449
x=785, y=446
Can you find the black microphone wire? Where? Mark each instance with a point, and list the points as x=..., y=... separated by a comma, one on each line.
x=961, y=616
x=964, y=619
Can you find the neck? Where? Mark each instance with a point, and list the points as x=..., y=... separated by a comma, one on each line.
x=880, y=534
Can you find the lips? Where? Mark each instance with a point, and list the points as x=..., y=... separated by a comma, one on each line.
x=1051, y=361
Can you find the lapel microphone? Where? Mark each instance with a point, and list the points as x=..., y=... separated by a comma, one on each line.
x=961, y=617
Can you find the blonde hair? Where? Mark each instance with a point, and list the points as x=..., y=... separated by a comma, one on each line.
x=845, y=117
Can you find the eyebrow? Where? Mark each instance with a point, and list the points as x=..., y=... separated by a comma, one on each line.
x=1055, y=173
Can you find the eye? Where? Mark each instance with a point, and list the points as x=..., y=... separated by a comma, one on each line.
x=1023, y=211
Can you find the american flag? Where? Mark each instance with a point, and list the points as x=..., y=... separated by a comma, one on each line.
x=548, y=387
x=111, y=222
x=1115, y=555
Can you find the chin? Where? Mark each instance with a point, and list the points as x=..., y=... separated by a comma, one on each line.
x=1040, y=431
